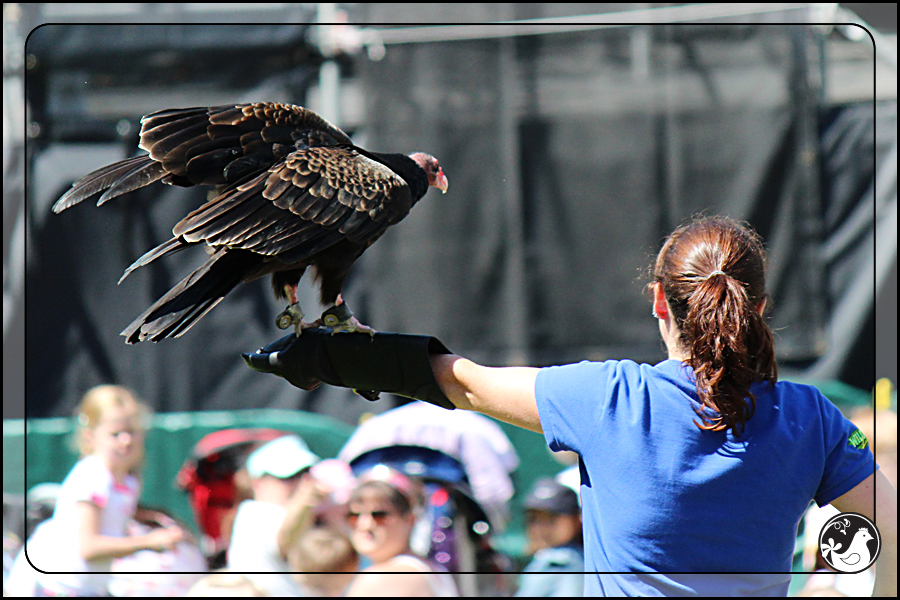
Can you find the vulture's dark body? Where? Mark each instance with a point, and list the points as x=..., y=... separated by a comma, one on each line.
x=292, y=191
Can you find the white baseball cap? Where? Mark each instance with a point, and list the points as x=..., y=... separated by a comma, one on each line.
x=282, y=457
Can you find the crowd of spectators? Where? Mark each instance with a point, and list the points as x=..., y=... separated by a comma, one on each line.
x=312, y=527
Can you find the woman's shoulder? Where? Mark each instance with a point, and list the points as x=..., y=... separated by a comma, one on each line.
x=588, y=369
x=433, y=581
x=795, y=396
x=789, y=403
x=622, y=366
x=397, y=577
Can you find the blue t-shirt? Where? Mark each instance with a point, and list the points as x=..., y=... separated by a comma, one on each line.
x=659, y=495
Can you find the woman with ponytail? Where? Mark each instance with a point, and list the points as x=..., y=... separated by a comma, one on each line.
x=709, y=297
x=701, y=464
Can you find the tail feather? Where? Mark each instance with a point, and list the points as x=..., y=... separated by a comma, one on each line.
x=169, y=247
x=189, y=321
x=194, y=296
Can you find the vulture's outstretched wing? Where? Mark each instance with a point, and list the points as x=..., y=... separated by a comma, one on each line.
x=208, y=146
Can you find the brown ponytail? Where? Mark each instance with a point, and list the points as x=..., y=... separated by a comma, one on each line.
x=712, y=272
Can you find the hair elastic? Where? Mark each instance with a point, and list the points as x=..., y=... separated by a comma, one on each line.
x=716, y=272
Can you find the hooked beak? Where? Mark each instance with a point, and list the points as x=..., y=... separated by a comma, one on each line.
x=440, y=181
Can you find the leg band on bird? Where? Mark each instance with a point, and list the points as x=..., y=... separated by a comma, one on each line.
x=292, y=315
x=336, y=315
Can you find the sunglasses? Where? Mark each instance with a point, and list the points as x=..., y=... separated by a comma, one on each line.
x=379, y=516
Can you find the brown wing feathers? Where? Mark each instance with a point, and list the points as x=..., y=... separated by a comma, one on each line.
x=291, y=185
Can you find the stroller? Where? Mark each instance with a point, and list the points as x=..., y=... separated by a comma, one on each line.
x=454, y=531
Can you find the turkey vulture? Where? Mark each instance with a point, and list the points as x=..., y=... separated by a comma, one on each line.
x=292, y=192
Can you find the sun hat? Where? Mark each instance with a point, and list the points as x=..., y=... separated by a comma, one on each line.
x=282, y=457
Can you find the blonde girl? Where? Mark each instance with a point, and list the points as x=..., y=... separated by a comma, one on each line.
x=75, y=548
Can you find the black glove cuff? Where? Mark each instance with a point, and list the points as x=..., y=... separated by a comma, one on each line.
x=388, y=362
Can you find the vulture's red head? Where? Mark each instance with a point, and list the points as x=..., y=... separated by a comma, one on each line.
x=429, y=164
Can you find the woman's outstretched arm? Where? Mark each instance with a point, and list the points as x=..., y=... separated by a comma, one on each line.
x=505, y=393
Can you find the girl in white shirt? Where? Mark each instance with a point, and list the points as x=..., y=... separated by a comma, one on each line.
x=76, y=546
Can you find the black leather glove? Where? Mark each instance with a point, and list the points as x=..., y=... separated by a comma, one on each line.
x=385, y=362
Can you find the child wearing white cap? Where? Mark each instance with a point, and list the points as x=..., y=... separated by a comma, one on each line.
x=283, y=507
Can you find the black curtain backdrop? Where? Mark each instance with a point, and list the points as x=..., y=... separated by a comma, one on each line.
x=607, y=164
x=567, y=166
x=858, y=153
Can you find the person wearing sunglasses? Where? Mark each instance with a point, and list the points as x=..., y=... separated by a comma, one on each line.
x=381, y=517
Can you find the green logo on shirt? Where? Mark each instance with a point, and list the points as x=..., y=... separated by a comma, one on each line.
x=858, y=440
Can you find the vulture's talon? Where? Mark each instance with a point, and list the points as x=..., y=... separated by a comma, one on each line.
x=352, y=325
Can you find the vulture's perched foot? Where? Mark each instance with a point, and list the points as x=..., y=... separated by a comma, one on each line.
x=340, y=318
x=293, y=315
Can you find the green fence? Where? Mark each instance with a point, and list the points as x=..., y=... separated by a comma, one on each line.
x=40, y=450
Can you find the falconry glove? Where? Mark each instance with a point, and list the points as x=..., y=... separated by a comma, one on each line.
x=384, y=362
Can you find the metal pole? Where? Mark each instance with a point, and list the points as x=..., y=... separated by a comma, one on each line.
x=515, y=294
x=329, y=73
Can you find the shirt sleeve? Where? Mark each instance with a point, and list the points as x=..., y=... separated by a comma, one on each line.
x=571, y=399
x=848, y=457
x=90, y=482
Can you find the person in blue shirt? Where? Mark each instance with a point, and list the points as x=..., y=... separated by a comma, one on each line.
x=553, y=527
x=695, y=472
